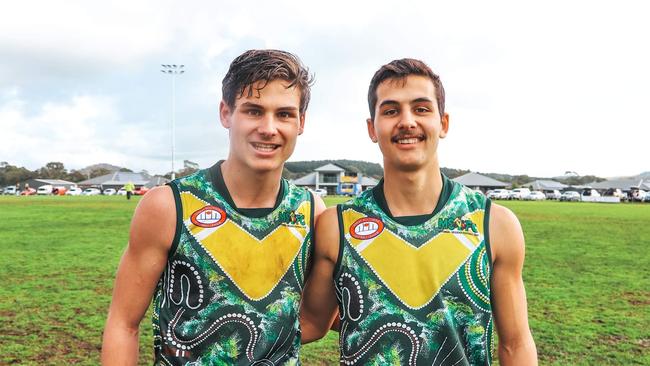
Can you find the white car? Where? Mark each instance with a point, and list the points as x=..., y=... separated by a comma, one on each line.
x=570, y=196
x=73, y=191
x=10, y=190
x=499, y=194
x=519, y=194
x=109, y=192
x=552, y=194
x=44, y=190
x=535, y=196
x=322, y=192
x=91, y=192
x=121, y=192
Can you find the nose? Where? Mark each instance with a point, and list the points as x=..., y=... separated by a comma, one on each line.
x=407, y=121
x=267, y=126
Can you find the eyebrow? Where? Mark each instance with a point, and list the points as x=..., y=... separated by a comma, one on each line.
x=417, y=100
x=259, y=106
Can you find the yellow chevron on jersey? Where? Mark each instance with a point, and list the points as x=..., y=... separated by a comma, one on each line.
x=414, y=274
x=254, y=265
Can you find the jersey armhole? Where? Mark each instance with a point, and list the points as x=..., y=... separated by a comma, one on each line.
x=337, y=265
x=486, y=232
x=179, y=219
x=312, y=235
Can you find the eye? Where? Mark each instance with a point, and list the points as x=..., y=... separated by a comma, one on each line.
x=284, y=115
x=422, y=109
x=389, y=112
x=253, y=112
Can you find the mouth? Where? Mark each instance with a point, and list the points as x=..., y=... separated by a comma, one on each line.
x=264, y=147
x=407, y=139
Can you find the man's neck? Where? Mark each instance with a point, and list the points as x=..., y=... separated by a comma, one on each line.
x=248, y=188
x=411, y=193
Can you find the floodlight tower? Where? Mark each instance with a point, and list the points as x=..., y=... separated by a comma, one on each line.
x=173, y=70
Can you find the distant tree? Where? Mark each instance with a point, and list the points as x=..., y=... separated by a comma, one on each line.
x=52, y=170
x=76, y=176
x=185, y=172
x=10, y=174
x=127, y=170
x=98, y=172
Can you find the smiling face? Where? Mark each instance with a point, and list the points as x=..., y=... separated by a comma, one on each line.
x=407, y=124
x=263, y=126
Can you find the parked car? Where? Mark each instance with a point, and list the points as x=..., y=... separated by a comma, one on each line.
x=320, y=192
x=647, y=198
x=615, y=192
x=536, y=196
x=519, y=194
x=588, y=192
x=570, y=196
x=10, y=190
x=139, y=191
x=73, y=191
x=91, y=192
x=44, y=190
x=109, y=192
x=59, y=191
x=499, y=194
x=637, y=195
x=121, y=192
x=28, y=192
x=552, y=194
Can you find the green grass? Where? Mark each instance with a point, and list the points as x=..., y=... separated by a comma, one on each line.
x=587, y=276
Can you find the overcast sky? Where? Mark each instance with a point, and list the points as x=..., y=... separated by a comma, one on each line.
x=532, y=88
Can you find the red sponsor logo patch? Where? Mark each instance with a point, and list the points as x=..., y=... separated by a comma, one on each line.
x=366, y=228
x=208, y=216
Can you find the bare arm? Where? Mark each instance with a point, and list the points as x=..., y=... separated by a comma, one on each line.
x=319, y=305
x=516, y=344
x=151, y=235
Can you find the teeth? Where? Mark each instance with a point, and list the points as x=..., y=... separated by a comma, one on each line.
x=264, y=147
x=407, y=141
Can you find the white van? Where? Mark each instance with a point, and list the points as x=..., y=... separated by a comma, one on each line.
x=519, y=194
x=45, y=190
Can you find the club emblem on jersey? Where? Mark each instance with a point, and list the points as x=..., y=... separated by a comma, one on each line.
x=366, y=228
x=208, y=216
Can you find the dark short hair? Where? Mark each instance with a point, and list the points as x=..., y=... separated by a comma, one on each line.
x=400, y=69
x=265, y=66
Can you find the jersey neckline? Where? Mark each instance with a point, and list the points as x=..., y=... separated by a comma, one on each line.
x=414, y=220
x=219, y=184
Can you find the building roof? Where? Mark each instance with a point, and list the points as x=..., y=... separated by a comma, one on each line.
x=307, y=180
x=622, y=184
x=329, y=168
x=472, y=179
x=157, y=180
x=542, y=185
x=55, y=182
x=117, y=178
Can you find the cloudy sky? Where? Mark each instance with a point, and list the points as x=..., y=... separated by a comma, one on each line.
x=532, y=88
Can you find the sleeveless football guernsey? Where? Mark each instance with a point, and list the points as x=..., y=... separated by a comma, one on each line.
x=415, y=290
x=231, y=290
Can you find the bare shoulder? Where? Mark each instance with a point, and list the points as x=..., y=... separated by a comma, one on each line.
x=319, y=205
x=506, y=235
x=154, y=220
x=327, y=234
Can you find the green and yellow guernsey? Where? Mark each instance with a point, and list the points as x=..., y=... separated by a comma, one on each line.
x=415, y=290
x=231, y=289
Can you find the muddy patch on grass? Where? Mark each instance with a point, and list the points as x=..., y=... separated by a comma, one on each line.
x=641, y=298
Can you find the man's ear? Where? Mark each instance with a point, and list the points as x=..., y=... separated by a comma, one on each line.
x=224, y=114
x=371, y=130
x=301, y=127
x=444, y=124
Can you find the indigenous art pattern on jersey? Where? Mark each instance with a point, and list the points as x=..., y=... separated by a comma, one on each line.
x=232, y=286
x=415, y=294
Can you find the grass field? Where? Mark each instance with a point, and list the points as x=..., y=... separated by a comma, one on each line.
x=587, y=276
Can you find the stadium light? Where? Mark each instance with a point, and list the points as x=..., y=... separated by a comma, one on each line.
x=173, y=70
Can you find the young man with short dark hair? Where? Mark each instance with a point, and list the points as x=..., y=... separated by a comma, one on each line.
x=422, y=268
x=223, y=252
